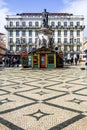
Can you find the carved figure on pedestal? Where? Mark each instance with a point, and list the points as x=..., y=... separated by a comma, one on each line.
x=42, y=41
x=38, y=42
x=51, y=41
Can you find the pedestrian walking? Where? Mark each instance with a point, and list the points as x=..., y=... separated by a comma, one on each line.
x=71, y=60
x=17, y=61
x=76, y=59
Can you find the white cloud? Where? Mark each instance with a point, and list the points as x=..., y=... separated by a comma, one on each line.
x=77, y=7
x=3, y=12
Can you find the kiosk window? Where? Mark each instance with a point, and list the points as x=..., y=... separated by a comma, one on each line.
x=50, y=59
x=35, y=60
x=29, y=61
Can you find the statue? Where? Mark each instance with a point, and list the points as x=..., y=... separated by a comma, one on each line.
x=45, y=19
x=43, y=42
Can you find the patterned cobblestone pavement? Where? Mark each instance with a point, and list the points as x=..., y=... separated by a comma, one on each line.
x=43, y=99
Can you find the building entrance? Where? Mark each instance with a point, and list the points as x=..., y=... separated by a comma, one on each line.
x=42, y=61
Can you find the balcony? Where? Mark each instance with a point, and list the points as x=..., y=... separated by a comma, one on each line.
x=11, y=43
x=9, y=27
x=31, y=44
x=59, y=43
x=20, y=27
x=59, y=27
x=20, y=44
x=68, y=27
x=38, y=27
x=17, y=43
x=80, y=27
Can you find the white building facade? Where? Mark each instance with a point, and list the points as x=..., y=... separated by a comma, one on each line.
x=68, y=31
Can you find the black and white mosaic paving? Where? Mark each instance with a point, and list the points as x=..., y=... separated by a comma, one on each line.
x=43, y=100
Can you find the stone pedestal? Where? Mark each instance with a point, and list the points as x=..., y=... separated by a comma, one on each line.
x=45, y=38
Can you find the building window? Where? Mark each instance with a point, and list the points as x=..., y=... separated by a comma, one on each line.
x=65, y=32
x=17, y=32
x=59, y=32
x=11, y=40
x=30, y=24
x=78, y=23
x=71, y=40
x=71, y=55
x=30, y=48
x=11, y=48
x=59, y=23
x=36, y=24
x=11, y=24
x=30, y=32
x=53, y=40
x=23, y=40
x=23, y=32
x=36, y=33
x=17, y=40
x=71, y=48
x=65, y=24
x=52, y=24
x=17, y=48
x=59, y=40
x=65, y=55
x=78, y=32
x=71, y=24
x=65, y=48
x=30, y=40
x=71, y=32
x=78, y=48
x=23, y=24
x=17, y=24
x=11, y=33
x=35, y=40
x=52, y=33
x=65, y=40
x=78, y=40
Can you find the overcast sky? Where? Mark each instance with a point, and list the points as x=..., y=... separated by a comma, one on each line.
x=77, y=7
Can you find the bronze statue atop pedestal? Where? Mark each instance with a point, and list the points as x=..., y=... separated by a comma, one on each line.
x=45, y=19
x=45, y=38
